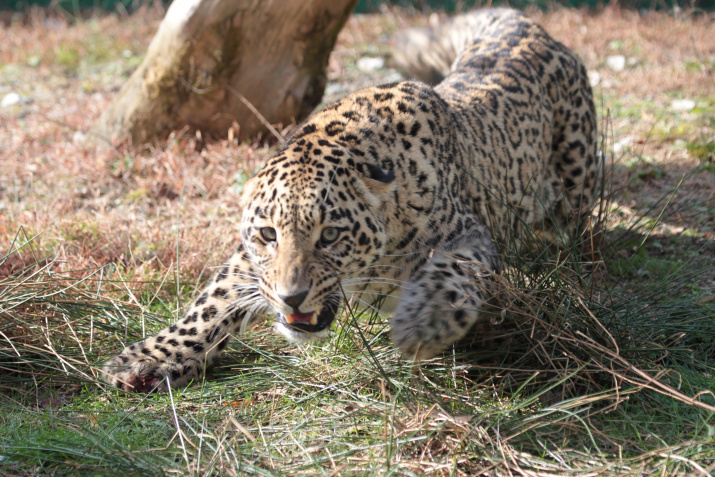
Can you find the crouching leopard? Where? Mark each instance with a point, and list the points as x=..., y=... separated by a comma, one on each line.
x=399, y=191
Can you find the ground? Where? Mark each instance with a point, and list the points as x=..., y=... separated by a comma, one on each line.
x=104, y=245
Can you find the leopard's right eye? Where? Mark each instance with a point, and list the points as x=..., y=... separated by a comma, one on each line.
x=268, y=234
x=329, y=235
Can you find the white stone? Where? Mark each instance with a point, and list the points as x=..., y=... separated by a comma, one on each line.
x=594, y=77
x=682, y=105
x=10, y=99
x=78, y=137
x=335, y=88
x=368, y=64
x=621, y=145
x=616, y=62
x=393, y=77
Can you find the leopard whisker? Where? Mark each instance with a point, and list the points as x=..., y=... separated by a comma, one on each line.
x=377, y=280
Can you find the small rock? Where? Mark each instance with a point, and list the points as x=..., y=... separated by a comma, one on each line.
x=10, y=99
x=619, y=146
x=615, y=45
x=127, y=53
x=368, y=64
x=594, y=77
x=609, y=83
x=335, y=88
x=78, y=137
x=54, y=23
x=393, y=77
x=682, y=105
x=616, y=62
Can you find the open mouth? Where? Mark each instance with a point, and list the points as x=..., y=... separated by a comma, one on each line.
x=310, y=322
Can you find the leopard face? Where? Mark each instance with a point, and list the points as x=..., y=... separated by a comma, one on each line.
x=312, y=217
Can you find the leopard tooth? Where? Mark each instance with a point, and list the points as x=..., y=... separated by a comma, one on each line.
x=314, y=319
x=289, y=318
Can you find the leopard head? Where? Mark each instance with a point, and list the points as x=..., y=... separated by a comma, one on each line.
x=317, y=213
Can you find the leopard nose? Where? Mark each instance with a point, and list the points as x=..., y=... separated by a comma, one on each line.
x=294, y=300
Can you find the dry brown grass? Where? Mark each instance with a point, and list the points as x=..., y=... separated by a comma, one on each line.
x=54, y=184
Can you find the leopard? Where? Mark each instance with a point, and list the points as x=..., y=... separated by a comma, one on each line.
x=399, y=197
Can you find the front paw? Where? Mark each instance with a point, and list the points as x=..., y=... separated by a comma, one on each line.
x=136, y=369
x=423, y=331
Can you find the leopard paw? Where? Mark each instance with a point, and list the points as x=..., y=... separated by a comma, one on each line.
x=136, y=370
x=423, y=329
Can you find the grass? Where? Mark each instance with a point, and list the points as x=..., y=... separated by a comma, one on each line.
x=577, y=377
x=595, y=364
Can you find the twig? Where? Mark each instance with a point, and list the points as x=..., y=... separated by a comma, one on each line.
x=176, y=421
x=258, y=114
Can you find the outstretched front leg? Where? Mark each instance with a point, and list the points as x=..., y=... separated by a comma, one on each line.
x=180, y=353
x=442, y=299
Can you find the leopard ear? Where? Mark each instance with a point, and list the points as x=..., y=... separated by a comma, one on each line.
x=377, y=173
x=379, y=183
x=246, y=195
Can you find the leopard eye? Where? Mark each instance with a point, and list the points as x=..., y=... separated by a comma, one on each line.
x=329, y=235
x=268, y=234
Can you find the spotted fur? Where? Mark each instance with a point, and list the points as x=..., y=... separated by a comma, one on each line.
x=399, y=192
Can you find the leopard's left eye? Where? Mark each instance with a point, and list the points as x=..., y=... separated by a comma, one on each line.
x=329, y=235
x=268, y=234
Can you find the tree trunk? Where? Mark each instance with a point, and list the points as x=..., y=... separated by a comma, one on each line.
x=213, y=62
